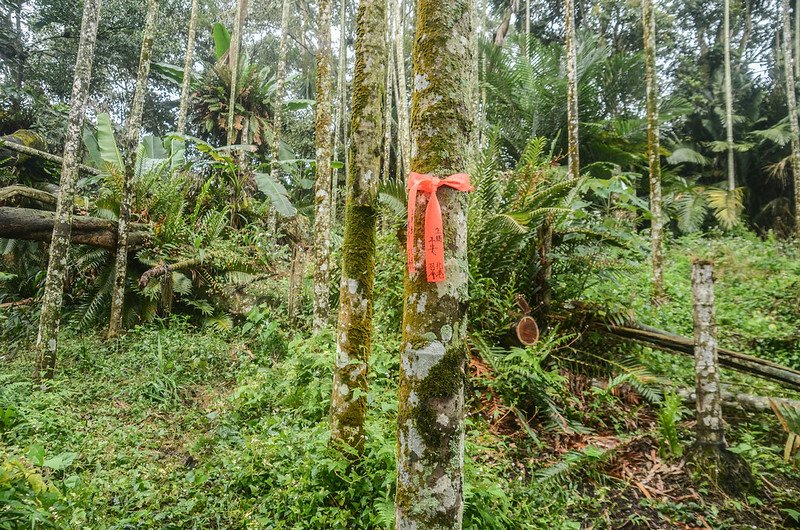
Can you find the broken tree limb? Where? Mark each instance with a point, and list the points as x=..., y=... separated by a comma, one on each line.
x=37, y=225
x=30, y=151
x=163, y=269
x=12, y=192
x=740, y=401
x=748, y=364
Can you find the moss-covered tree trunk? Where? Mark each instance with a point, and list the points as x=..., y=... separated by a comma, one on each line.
x=387, y=109
x=791, y=102
x=430, y=448
x=183, y=110
x=710, y=427
x=403, y=134
x=322, y=187
x=726, y=38
x=50, y=317
x=573, y=144
x=653, y=148
x=280, y=84
x=134, y=123
x=233, y=62
x=354, y=331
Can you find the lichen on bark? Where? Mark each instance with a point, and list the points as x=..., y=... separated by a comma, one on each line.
x=50, y=316
x=354, y=330
x=653, y=149
x=573, y=144
x=183, y=108
x=132, y=126
x=430, y=451
x=322, y=187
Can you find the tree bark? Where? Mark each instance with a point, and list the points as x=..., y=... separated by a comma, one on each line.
x=738, y=401
x=280, y=94
x=653, y=148
x=354, y=331
x=387, y=109
x=12, y=192
x=341, y=96
x=233, y=62
x=403, y=134
x=791, y=102
x=728, y=95
x=710, y=428
x=133, y=125
x=38, y=225
x=322, y=186
x=186, y=94
x=47, y=339
x=573, y=144
x=430, y=459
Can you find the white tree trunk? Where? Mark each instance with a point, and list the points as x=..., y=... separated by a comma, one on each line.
x=728, y=95
x=134, y=123
x=50, y=317
x=791, y=102
x=573, y=143
x=710, y=427
x=403, y=134
x=233, y=61
x=341, y=96
x=186, y=94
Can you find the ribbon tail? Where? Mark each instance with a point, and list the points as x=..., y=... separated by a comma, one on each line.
x=434, y=240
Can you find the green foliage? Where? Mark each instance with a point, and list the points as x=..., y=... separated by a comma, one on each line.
x=670, y=413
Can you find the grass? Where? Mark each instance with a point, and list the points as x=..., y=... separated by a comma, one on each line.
x=177, y=427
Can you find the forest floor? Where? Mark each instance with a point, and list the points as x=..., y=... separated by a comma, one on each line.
x=174, y=427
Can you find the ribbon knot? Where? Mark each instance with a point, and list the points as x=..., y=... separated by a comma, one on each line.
x=434, y=234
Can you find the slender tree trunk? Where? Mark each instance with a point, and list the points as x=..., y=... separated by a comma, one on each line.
x=710, y=427
x=403, y=134
x=729, y=95
x=354, y=333
x=322, y=188
x=797, y=40
x=280, y=83
x=47, y=340
x=233, y=61
x=341, y=95
x=387, y=111
x=653, y=148
x=132, y=126
x=430, y=447
x=573, y=145
x=186, y=95
x=791, y=102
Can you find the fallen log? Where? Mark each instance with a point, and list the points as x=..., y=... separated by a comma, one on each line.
x=23, y=142
x=37, y=225
x=12, y=192
x=741, y=401
x=748, y=364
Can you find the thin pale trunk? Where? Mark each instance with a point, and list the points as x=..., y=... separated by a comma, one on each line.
x=134, y=123
x=653, y=148
x=354, y=332
x=710, y=428
x=50, y=317
x=403, y=133
x=430, y=449
x=186, y=95
x=233, y=64
x=280, y=83
x=729, y=95
x=797, y=40
x=341, y=95
x=322, y=187
x=791, y=102
x=573, y=145
x=387, y=111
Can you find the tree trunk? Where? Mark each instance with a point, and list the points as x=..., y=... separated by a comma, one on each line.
x=233, y=62
x=710, y=428
x=22, y=142
x=186, y=95
x=322, y=187
x=354, y=332
x=47, y=339
x=133, y=125
x=280, y=83
x=387, y=110
x=38, y=225
x=430, y=459
x=797, y=41
x=729, y=95
x=341, y=96
x=791, y=102
x=403, y=134
x=573, y=145
x=653, y=148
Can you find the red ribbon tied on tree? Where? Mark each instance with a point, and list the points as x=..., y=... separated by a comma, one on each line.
x=434, y=234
